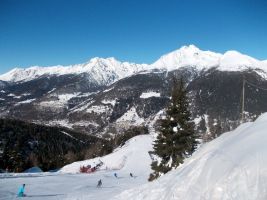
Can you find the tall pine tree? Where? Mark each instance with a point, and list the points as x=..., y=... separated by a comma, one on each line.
x=177, y=138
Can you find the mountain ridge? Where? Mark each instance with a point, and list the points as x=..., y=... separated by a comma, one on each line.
x=103, y=68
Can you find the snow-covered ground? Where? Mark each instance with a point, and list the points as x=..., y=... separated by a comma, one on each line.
x=56, y=186
x=68, y=184
x=132, y=157
x=231, y=167
x=146, y=95
x=131, y=116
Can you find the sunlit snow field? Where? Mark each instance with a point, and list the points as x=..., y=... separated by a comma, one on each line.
x=54, y=186
x=68, y=183
x=231, y=167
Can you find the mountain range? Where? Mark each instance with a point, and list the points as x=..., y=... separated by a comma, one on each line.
x=109, y=70
x=106, y=96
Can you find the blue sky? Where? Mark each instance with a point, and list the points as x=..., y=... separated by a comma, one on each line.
x=51, y=32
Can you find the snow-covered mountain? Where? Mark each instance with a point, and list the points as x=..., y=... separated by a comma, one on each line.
x=233, y=166
x=107, y=71
x=109, y=96
x=103, y=71
x=203, y=60
x=188, y=56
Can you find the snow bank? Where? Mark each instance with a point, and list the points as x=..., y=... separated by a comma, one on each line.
x=233, y=166
x=132, y=157
x=33, y=170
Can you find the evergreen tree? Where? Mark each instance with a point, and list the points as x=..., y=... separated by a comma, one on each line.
x=177, y=139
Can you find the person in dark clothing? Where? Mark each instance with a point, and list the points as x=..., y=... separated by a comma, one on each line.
x=99, y=184
x=131, y=175
x=115, y=174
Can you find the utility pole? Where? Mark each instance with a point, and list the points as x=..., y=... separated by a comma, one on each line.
x=243, y=101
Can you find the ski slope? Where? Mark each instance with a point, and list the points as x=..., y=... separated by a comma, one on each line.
x=231, y=167
x=132, y=157
x=68, y=184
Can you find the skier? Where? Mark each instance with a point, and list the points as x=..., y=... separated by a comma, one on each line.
x=131, y=175
x=21, y=191
x=115, y=174
x=99, y=184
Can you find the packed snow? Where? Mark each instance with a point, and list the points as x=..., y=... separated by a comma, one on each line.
x=68, y=184
x=233, y=166
x=125, y=159
x=146, y=95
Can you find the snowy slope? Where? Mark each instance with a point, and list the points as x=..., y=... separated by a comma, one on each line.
x=70, y=185
x=233, y=166
x=109, y=70
x=132, y=157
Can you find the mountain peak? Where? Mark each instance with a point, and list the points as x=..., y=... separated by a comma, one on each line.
x=100, y=69
x=98, y=59
x=231, y=60
x=190, y=47
x=187, y=56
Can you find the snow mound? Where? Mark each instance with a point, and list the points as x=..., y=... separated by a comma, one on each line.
x=132, y=157
x=233, y=166
x=33, y=170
